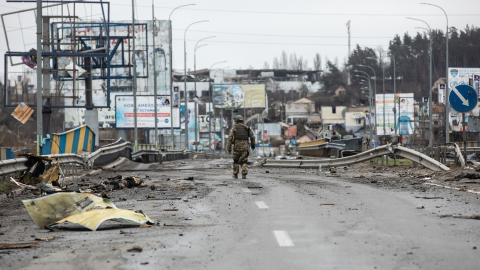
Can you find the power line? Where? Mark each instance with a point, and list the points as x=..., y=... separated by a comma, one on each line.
x=270, y=35
x=308, y=13
x=313, y=44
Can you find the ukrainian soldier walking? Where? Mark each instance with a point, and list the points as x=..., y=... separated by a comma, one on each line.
x=239, y=136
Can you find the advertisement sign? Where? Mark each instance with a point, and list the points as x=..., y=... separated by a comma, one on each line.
x=425, y=107
x=405, y=114
x=191, y=122
x=239, y=96
x=215, y=125
x=441, y=93
x=124, y=112
x=389, y=120
x=459, y=76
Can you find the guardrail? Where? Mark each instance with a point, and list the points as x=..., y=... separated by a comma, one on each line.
x=11, y=166
x=71, y=162
x=364, y=156
x=108, y=154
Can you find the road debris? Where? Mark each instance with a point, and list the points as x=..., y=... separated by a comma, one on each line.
x=462, y=217
x=135, y=249
x=46, y=239
x=52, y=208
x=468, y=176
x=118, y=182
x=94, y=218
x=18, y=245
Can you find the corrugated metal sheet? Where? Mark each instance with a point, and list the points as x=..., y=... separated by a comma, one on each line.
x=81, y=139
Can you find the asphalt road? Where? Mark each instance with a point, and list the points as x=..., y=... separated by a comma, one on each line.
x=284, y=219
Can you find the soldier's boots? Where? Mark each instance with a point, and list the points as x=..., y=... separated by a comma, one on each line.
x=235, y=176
x=244, y=176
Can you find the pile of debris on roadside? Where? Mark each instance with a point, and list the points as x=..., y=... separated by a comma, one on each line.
x=45, y=176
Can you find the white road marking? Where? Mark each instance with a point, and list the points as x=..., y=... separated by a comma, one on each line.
x=262, y=205
x=246, y=190
x=283, y=239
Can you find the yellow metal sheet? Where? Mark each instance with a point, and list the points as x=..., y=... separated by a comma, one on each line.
x=93, y=218
x=50, y=209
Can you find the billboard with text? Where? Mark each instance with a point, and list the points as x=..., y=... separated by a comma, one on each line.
x=239, y=95
x=124, y=112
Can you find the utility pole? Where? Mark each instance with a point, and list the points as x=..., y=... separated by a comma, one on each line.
x=39, y=77
x=348, y=74
x=135, y=135
x=155, y=80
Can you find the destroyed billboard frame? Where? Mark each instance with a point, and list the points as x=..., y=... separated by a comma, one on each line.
x=57, y=91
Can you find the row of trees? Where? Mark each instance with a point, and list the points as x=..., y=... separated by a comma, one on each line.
x=409, y=53
x=293, y=62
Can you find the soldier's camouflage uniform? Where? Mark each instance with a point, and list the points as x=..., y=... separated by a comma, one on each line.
x=240, y=149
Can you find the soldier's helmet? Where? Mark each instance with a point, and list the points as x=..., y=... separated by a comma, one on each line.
x=238, y=118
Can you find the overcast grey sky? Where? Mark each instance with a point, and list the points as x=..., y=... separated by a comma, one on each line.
x=250, y=32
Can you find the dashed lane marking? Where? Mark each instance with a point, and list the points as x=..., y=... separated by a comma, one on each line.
x=261, y=205
x=283, y=239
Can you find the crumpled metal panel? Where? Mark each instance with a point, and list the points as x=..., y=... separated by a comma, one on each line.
x=93, y=218
x=50, y=209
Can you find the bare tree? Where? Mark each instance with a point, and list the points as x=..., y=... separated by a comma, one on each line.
x=317, y=62
x=266, y=65
x=275, y=63
x=284, y=60
x=292, y=62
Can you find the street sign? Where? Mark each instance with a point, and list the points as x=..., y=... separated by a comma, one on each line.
x=463, y=98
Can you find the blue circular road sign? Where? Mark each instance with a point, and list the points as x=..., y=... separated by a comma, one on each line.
x=463, y=98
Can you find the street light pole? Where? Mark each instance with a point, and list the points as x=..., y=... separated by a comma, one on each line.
x=369, y=99
x=383, y=86
x=196, y=105
x=171, y=72
x=195, y=72
x=211, y=104
x=447, y=102
x=430, y=109
x=155, y=79
x=185, y=79
x=375, y=94
x=394, y=94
